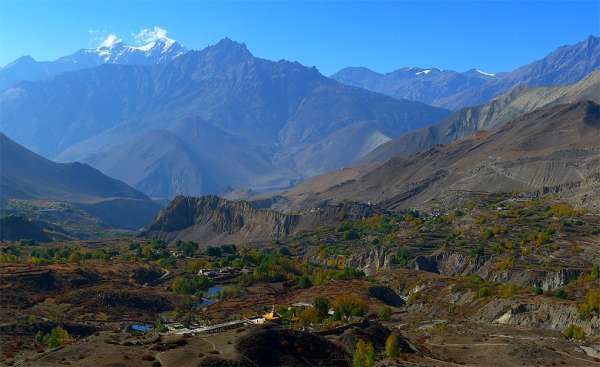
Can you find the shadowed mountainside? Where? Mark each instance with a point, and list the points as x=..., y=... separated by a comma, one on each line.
x=26, y=175
x=554, y=149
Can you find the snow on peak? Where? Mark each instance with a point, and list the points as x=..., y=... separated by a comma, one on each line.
x=484, y=73
x=147, y=47
x=152, y=46
x=424, y=72
x=110, y=41
x=148, y=38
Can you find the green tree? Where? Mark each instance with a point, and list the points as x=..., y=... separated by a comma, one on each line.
x=191, y=285
x=322, y=306
x=595, y=272
x=364, y=354
x=188, y=248
x=304, y=282
x=55, y=338
x=574, y=332
x=392, y=349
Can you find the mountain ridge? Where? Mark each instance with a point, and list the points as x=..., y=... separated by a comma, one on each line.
x=565, y=65
x=497, y=112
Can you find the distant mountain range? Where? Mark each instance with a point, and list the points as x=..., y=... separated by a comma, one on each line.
x=28, y=176
x=206, y=121
x=171, y=122
x=455, y=90
x=111, y=51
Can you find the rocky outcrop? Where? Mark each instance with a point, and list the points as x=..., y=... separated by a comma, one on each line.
x=210, y=219
x=544, y=315
x=448, y=263
x=386, y=295
x=544, y=279
x=456, y=263
x=371, y=260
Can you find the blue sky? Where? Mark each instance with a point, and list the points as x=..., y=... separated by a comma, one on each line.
x=458, y=35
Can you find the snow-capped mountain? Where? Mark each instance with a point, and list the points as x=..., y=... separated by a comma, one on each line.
x=115, y=51
x=112, y=50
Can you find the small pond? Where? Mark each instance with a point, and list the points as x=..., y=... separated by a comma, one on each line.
x=142, y=328
x=210, y=296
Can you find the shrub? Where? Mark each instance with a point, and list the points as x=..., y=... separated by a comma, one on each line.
x=477, y=251
x=284, y=251
x=167, y=262
x=483, y=292
x=574, y=332
x=565, y=210
x=592, y=302
x=595, y=272
x=349, y=274
x=560, y=293
x=347, y=305
x=507, y=290
x=542, y=238
x=351, y=235
x=304, y=282
x=385, y=313
x=7, y=258
x=505, y=264
x=475, y=279
x=308, y=316
x=487, y=233
x=538, y=290
x=402, y=257
x=498, y=229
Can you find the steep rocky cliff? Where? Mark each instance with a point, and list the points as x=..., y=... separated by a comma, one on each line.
x=210, y=219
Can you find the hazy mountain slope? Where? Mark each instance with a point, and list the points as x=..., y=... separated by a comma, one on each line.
x=453, y=90
x=26, y=175
x=48, y=116
x=553, y=149
x=489, y=116
x=26, y=68
x=249, y=117
x=32, y=176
